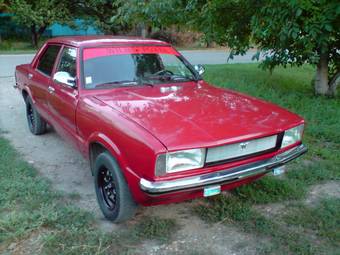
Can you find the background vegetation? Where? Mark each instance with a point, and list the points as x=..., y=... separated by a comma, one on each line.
x=287, y=32
x=297, y=227
x=279, y=212
x=300, y=40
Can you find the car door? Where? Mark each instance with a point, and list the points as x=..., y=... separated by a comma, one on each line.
x=40, y=76
x=63, y=95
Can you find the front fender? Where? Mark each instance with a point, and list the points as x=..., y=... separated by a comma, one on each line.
x=109, y=145
x=132, y=178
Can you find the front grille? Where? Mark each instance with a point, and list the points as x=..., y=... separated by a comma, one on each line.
x=229, y=152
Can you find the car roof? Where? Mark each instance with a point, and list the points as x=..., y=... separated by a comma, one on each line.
x=83, y=41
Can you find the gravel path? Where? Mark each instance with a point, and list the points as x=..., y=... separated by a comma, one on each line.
x=69, y=172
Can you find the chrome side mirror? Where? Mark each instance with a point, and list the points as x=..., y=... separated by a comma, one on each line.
x=199, y=69
x=65, y=78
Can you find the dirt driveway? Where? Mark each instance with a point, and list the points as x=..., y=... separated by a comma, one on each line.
x=70, y=173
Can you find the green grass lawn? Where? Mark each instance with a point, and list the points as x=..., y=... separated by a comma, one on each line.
x=17, y=47
x=29, y=209
x=300, y=229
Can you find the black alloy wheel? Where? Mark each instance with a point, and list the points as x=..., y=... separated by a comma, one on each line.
x=107, y=188
x=113, y=193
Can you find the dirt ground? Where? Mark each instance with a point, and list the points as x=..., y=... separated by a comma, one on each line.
x=69, y=172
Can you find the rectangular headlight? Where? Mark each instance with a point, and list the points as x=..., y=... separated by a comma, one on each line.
x=180, y=161
x=292, y=136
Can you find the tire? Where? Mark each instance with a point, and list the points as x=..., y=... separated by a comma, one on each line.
x=113, y=194
x=36, y=124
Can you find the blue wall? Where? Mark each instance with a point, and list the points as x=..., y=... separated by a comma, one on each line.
x=61, y=30
x=9, y=29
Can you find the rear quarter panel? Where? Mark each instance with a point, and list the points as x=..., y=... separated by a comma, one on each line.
x=21, y=73
x=21, y=79
x=36, y=87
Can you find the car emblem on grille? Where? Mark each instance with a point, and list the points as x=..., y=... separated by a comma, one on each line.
x=243, y=146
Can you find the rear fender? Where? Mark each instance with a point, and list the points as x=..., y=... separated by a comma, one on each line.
x=26, y=88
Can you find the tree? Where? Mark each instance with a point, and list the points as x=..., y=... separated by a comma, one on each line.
x=39, y=14
x=150, y=14
x=2, y=7
x=100, y=13
x=289, y=32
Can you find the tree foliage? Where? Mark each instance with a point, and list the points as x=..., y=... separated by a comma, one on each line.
x=290, y=32
x=101, y=13
x=151, y=14
x=224, y=22
x=298, y=32
x=39, y=14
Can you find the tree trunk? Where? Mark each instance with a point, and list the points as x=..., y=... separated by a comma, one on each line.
x=41, y=30
x=149, y=31
x=321, y=79
x=34, y=34
x=142, y=30
x=334, y=83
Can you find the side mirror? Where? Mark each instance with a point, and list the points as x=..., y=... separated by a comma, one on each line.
x=65, y=78
x=199, y=69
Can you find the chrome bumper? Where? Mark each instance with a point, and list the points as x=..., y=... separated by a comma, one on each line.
x=222, y=177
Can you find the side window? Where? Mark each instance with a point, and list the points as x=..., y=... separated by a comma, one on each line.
x=47, y=60
x=68, y=61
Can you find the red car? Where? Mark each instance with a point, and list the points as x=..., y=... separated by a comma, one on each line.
x=153, y=130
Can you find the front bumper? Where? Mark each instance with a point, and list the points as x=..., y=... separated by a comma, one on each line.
x=222, y=177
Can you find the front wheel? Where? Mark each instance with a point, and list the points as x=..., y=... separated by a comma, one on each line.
x=113, y=193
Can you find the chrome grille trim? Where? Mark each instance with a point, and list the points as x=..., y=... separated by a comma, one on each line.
x=245, y=148
x=238, y=173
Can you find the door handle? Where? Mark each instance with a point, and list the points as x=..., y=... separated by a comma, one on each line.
x=30, y=76
x=51, y=89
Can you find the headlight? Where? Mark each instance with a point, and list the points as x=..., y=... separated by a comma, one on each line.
x=292, y=136
x=179, y=161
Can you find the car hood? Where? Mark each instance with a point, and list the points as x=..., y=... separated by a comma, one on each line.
x=196, y=114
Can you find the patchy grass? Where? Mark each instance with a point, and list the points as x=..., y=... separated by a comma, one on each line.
x=324, y=219
x=290, y=234
x=155, y=228
x=291, y=88
x=17, y=47
x=271, y=189
x=230, y=209
x=281, y=232
x=29, y=207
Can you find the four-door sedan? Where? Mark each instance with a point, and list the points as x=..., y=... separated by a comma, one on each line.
x=153, y=130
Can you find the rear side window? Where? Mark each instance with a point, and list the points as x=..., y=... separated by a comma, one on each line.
x=47, y=60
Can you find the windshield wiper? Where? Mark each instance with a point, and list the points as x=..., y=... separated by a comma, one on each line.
x=121, y=83
x=142, y=81
x=173, y=77
x=181, y=77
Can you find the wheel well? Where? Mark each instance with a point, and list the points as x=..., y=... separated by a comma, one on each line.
x=95, y=150
x=24, y=94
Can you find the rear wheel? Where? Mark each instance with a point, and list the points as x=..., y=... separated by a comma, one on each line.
x=113, y=193
x=36, y=124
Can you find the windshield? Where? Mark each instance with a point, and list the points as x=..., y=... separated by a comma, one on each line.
x=129, y=66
